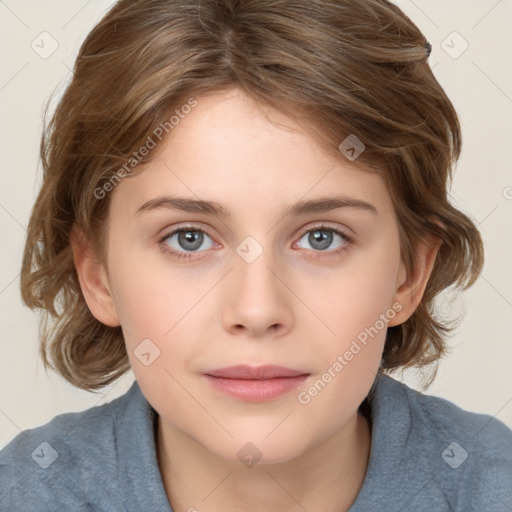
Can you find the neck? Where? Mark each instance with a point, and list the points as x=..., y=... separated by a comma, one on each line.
x=326, y=477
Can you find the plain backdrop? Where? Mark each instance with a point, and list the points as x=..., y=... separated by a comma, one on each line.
x=471, y=58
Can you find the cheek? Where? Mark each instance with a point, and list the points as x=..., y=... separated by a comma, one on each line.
x=357, y=309
x=357, y=297
x=357, y=305
x=159, y=321
x=151, y=296
x=160, y=312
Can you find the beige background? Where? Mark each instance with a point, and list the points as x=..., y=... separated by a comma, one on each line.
x=476, y=376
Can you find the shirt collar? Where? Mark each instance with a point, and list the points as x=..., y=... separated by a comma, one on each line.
x=139, y=474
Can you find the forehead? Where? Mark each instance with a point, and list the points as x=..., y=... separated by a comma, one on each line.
x=228, y=150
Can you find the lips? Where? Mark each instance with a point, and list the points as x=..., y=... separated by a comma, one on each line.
x=255, y=373
x=255, y=384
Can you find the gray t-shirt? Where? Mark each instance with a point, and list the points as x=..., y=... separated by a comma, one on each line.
x=427, y=455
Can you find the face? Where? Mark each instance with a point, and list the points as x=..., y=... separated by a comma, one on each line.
x=264, y=281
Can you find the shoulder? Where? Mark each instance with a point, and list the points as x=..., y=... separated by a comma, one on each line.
x=485, y=435
x=39, y=465
x=469, y=454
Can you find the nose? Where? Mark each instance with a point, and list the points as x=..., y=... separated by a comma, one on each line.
x=257, y=300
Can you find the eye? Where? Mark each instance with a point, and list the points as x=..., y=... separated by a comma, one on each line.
x=321, y=238
x=183, y=241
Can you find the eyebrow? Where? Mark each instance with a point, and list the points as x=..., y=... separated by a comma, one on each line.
x=323, y=204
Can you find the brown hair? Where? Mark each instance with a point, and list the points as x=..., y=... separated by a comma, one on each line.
x=336, y=66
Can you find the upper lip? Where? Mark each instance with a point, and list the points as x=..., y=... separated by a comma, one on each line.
x=255, y=372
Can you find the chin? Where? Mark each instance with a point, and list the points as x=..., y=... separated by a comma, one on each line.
x=252, y=451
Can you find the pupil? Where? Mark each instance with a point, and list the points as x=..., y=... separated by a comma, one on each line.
x=190, y=237
x=324, y=238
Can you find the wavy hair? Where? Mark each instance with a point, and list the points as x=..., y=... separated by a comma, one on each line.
x=336, y=66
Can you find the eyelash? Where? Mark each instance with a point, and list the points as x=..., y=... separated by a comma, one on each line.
x=165, y=248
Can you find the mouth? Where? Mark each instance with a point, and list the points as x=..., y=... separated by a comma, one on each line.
x=255, y=384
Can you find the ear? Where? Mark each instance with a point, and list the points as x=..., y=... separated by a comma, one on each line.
x=410, y=288
x=93, y=279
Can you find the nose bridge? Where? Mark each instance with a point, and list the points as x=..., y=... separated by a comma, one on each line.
x=256, y=297
x=253, y=266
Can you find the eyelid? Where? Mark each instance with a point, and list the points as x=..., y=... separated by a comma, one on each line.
x=319, y=226
x=348, y=240
x=167, y=232
x=189, y=227
x=166, y=249
x=196, y=227
x=325, y=225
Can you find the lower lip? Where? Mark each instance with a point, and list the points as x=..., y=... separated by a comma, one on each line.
x=256, y=390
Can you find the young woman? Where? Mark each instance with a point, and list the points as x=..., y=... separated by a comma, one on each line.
x=246, y=204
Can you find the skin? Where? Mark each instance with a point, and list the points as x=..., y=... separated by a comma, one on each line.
x=297, y=305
